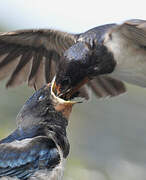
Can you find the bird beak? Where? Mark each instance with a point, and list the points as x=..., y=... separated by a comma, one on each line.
x=55, y=88
x=60, y=104
x=76, y=88
x=69, y=92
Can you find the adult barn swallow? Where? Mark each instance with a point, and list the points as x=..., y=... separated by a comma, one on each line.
x=39, y=146
x=110, y=53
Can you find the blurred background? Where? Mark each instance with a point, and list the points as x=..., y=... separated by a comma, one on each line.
x=107, y=137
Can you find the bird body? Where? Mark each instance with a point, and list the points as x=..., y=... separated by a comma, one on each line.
x=37, y=149
x=34, y=170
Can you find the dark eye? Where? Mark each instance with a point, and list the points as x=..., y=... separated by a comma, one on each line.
x=41, y=97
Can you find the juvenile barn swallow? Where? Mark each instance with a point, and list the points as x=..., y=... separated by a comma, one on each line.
x=37, y=149
x=110, y=53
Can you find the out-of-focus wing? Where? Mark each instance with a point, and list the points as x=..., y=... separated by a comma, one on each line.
x=104, y=86
x=32, y=55
x=134, y=30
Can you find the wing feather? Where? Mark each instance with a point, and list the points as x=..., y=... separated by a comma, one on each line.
x=134, y=30
x=23, y=158
x=104, y=86
x=22, y=70
x=36, y=45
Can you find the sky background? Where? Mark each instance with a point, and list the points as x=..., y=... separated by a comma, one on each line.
x=72, y=16
x=108, y=138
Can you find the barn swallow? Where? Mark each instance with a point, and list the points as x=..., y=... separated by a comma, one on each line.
x=37, y=149
x=110, y=54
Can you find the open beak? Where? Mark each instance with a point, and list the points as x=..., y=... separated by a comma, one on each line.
x=58, y=99
x=55, y=88
x=69, y=92
x=61, y=100
x=61, y=105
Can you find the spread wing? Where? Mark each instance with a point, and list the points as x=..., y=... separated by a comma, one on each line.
x=134, y=33
x=134, y=30
x=128, y=42
x=104, y=86
x=32, y=55
x=23, y=158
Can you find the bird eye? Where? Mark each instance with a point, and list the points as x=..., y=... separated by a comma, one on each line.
x=41, y=97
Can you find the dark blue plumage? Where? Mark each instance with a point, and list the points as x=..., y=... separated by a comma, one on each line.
x=23, y=158
x=39, y=146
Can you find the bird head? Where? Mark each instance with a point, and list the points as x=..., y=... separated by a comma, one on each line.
x=42, y=105
x=72, y=70
x=80, y=63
